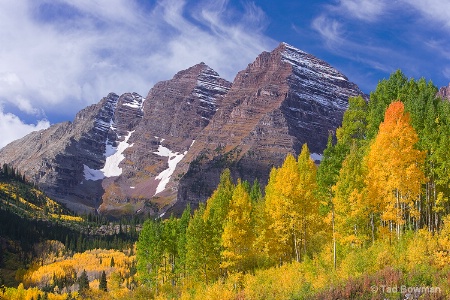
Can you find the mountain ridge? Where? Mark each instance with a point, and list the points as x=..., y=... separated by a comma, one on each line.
x=129, y=154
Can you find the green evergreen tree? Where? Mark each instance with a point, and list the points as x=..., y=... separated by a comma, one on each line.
x=83, y=282
x=103, y=284
x=214, y=216
x=255, y=191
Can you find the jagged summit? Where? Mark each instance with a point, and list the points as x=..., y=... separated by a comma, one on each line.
x=130, y=154
x=283, y=99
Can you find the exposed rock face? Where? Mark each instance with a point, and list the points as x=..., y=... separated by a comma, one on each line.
x=282, y=100
x=128, y=154
x=54, y=158
x=175, y=112
x=110, y=157
x=444, y=92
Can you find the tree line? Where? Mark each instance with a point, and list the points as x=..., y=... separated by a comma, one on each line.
x=385, y=172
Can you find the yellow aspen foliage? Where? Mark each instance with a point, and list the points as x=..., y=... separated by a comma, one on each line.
x=238, y=235
x=306, y=206
x=420, y=249
x=291, y=207
x=395, y=169
x=350, y=208
x=279, y=201
x=442, y=254
x=93, y=261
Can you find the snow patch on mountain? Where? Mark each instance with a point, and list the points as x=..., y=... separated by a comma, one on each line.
x=112, y=162
x=114, y=156
x=302, y=60
x=173, y=159
x=92, y=174
x=136, y=101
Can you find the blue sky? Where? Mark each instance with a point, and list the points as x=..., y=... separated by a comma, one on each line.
x=58, y=56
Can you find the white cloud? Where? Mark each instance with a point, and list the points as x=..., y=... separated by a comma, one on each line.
x=380, y=37
x=25, y=106
x=59, y=56
x=13, y=128
x=329, y=29
x=367, y=10
x=435, y=11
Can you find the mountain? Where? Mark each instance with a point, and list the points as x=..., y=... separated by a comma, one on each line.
x=131, y=154
x=444, y=92
x=282, y=100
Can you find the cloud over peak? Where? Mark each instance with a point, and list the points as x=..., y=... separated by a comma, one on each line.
x=82, y=50
x=59, y=56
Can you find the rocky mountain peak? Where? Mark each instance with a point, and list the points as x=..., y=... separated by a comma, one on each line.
x=129, y=154
x=285, y=98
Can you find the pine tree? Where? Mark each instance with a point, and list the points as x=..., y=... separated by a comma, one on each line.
x=83, y=282
x=214, y=216
x=103, y=284
x=255, y=192
x=170, y=257
x=182, y=240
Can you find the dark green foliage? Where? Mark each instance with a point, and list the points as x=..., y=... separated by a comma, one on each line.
x=183, y=224
x=103, y=284
x=387, y=91
x=83, y=282
x=23, y=226
x=255, y=192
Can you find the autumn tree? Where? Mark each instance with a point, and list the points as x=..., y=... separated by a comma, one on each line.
x=238, y=234
x=291, y=207
x=279, y=200
x=350, y=207
x=387, y=90
x=395, y=170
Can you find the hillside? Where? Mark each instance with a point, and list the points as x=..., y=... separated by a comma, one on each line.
x=371, y=221
x=32, y=222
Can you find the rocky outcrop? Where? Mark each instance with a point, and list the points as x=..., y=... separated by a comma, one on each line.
x=54, y=158
x=175, y=112
x=444, y=92
x=282, y=100
x=118, y=154
x=128, y=154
